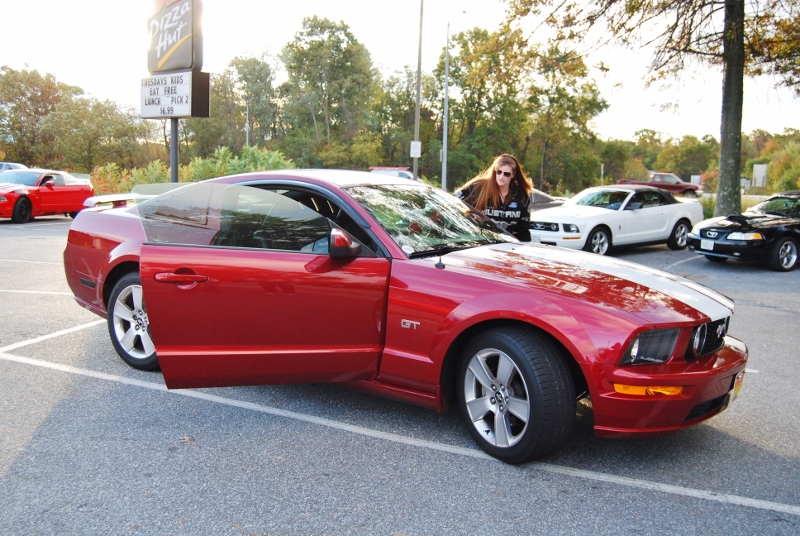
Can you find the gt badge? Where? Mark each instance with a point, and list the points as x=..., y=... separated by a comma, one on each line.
x=408, y=324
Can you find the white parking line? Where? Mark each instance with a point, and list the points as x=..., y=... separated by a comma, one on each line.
x=21, y=344
x=669, y=267
x=53, y=293
x=32, y=262
x=450, y=449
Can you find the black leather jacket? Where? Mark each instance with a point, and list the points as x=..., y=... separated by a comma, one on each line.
x=513, y=214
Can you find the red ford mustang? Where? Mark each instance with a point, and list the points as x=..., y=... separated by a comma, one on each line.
x=400, y=289
x=27, y=193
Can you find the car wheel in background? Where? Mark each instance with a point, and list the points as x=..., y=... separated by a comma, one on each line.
x=516, y=394
x=73, y=215
x=128, y=325
x=22, y=211
x=689, y=193
x=783, y=255
x=679, y=238
x=599, y=241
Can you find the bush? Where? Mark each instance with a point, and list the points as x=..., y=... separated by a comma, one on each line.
x=110, y=179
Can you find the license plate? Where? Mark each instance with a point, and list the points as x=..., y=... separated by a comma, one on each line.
x=737, y=386
x=536, y=240
x=707, y=244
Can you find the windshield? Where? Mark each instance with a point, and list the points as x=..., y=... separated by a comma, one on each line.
x=424, y=220
x=610, y=199
x=26, y=178
x=779, y=205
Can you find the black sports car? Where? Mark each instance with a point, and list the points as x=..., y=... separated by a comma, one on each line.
x=769, y=231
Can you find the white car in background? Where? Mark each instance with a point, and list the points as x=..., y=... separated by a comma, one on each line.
x=621, y=215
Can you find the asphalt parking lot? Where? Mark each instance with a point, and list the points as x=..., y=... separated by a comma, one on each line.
x=91, y=446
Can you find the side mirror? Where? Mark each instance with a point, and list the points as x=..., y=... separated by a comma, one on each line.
x=633, y=206
x=49, y=183
x=341, y=245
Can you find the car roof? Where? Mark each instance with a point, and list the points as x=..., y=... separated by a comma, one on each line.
x=629, y=187
x=338, y=177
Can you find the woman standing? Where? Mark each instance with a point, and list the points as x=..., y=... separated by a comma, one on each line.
x=502, y=193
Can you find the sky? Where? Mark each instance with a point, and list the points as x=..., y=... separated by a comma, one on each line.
x=101, y=46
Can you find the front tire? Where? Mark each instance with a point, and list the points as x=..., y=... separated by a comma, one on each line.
x=599, y=241
x=128, y=325
x=22, y=211
x=679, y=238
x=783, y=255
x=516, y=394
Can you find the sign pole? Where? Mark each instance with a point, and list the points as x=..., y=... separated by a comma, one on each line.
x=173, y=150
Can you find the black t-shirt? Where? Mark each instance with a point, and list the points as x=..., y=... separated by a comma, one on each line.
x=513, y=214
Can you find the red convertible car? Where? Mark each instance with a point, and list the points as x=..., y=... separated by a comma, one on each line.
x=27, y=193
x=400, y=289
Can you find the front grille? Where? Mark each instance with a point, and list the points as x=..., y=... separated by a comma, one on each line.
x=544, y=226
x=715, y=338
x=713, y=234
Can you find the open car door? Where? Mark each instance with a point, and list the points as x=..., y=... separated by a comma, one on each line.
x=245, y=286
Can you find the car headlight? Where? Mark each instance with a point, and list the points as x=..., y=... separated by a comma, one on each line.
x=745, y=236
x=571, y=228
x=651, y=347
x=3, y=199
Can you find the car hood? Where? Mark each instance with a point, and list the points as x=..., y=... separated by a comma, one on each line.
x=571, y=213
x=6, y=187
x=746, y=222
x=650, y=294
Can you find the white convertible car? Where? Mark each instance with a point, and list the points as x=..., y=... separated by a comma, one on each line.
x=621, y=215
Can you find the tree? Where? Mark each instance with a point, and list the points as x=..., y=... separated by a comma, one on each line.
x=87, y=133
x=256, y=78
x=330, y=80
x=26, y=99
x=490, y=74
x=562, y=106
x=729, y=34
x=690, y=156
x=224, y=127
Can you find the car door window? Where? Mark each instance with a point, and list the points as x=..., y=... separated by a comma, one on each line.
x=216, y=214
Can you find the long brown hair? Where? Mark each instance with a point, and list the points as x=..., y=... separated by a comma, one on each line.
x=488, y=191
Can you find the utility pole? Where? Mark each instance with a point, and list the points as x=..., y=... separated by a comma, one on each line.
x=416, y=145
x=446, y=102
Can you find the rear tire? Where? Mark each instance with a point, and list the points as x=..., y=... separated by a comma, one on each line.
x=599, y=241
x=516, y=394
x=783, y=255
x=128, y=325
x=22, y=211
x=679, y=238
x=689, y=193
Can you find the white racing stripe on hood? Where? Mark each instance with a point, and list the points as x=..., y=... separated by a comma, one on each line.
x=705, y=300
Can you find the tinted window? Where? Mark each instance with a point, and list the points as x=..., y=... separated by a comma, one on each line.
x=233, y=216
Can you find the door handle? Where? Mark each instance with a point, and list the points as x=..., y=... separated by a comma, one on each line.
x=180, y=279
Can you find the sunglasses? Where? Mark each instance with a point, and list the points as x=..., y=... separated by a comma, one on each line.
x=505, y=173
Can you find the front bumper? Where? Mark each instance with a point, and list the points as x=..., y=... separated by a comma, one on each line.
x=707, y=389
x=730, y=249
x=571, y=241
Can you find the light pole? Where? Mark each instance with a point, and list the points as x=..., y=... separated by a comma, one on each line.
x=446, y=102
x=416, y=147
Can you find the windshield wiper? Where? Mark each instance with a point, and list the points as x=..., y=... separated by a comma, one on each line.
x=444, y=249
